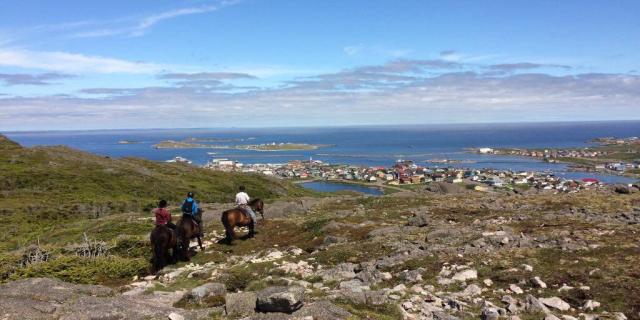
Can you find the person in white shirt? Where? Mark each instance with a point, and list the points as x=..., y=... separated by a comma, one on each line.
x=242, y=201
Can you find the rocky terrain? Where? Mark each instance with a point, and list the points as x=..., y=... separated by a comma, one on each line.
x=404, y=256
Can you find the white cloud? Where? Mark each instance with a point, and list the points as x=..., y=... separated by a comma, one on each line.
x=353, y=50
x=397, y=91
x=72, y=62
x=138, y=27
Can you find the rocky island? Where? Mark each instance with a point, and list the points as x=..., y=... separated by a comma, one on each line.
x=196, y=144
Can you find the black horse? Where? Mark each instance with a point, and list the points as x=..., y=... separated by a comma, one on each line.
x=163, y=239
x=188, y=228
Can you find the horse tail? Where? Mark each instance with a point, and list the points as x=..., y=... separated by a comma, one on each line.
x=225, y=219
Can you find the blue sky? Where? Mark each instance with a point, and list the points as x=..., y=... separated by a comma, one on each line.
x=140, y=64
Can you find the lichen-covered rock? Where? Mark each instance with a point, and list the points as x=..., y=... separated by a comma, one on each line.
x=197, y=294
x=280, y=299
x=322, y=310
x=240, y=304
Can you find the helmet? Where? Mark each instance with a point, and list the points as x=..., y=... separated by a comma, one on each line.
x=190, y=194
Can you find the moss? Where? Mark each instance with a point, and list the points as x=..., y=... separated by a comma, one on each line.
x=207, y=302
x=373, y=312
x=85, y=270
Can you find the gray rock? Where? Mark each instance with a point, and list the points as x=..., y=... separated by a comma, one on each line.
x=420, y=219
x=339, y=272
x=537, y=283
x=197, y=294
x=441, y=315
x=412, y=276
x=556, y=303
x=465, y=275
x=42, y=298
x=532, y=304
x=322, y=310
x=280, y=299
x=372, y=298
x=489, y=314
x=240, y=304
x=354, y=285
x=328, y=240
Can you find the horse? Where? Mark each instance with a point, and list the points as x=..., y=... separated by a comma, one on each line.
x=188, y=229
x=162, y=239
x=237, y=218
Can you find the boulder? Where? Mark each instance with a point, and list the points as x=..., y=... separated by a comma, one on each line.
x=465, y=275
x=489, y=314
x=43, y=298
x=322, y=310
x=515, y=289
x=556, y=303
x=419, y=219
x=339, y=272
x=622, y=189
x=280, y=299
x=354, y=285
x=532, y=305
x=240, y=304
x=590, y=305
x=537, y=283
x=206, y=290
x=412, y=276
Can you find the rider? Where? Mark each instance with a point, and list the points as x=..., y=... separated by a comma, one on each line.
x=242, y=201
x=163, y=216
x=190, y=208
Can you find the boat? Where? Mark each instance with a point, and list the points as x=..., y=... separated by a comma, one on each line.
x=179, y=159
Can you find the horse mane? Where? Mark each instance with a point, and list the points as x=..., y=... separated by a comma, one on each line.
x=254, y=201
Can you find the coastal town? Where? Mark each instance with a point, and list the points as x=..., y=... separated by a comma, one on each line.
x=613, y=155
x=408, y=173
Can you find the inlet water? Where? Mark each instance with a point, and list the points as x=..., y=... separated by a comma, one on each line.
x=324, y=186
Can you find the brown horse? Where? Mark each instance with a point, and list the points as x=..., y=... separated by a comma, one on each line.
x=162, y=239
x=237, y=218
x=188, y=229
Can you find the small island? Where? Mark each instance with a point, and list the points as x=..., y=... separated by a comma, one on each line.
x=129, y=142
x=172, y=144
x=282, y=146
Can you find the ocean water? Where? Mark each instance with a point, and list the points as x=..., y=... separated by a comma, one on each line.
x=367, y=145
x=325, y=186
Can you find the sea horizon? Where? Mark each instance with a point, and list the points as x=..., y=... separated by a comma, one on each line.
x=353, y=126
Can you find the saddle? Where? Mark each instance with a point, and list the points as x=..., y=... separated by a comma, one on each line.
x=243, y=209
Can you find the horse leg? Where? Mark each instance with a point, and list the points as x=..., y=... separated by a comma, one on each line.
x=230, y=234
x=184, y=251
x=252, y=231
x=200, y=244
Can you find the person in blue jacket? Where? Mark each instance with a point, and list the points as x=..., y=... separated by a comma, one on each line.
x=190, y=207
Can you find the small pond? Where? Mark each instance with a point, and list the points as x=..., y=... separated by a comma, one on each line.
x=325, y=186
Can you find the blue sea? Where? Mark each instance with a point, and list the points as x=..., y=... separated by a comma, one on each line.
x=365, y=145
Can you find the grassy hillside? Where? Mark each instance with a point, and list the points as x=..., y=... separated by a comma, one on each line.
x=53, y=195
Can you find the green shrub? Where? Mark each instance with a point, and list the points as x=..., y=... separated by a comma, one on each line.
x=85, y=270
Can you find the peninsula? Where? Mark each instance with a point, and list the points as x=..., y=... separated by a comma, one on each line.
x=611, y=155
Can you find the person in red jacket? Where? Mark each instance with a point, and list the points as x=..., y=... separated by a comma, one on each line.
x=163, y=216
